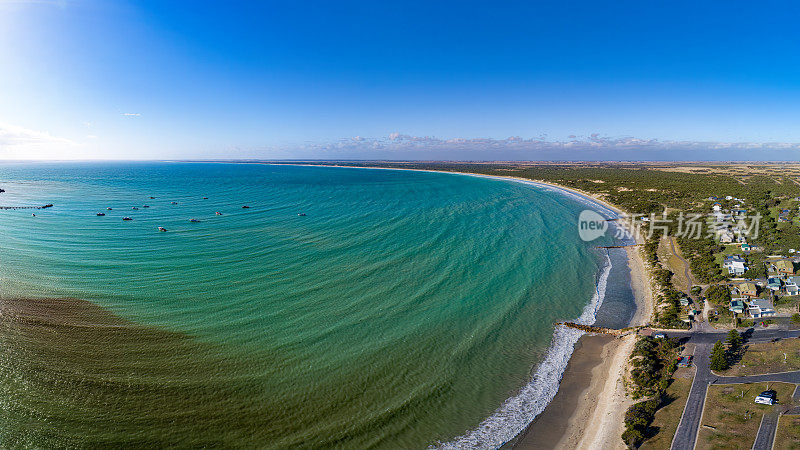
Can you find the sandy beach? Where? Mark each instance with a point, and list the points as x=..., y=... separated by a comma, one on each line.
x=591, y=405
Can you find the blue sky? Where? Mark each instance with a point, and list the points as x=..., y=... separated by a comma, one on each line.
x=400, y=80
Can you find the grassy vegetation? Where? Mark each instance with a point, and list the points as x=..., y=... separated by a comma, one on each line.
x=668, y=416
x=787, y=302
x=767, y=357
x=788, y=433
x=675, y=265
x=735, y=418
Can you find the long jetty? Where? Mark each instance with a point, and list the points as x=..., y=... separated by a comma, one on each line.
x=599, y=330
x=49, y=205
x=618, y=246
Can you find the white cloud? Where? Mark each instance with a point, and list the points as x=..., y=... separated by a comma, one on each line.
x=131, y=114
x=14, y=135
x=590, y=147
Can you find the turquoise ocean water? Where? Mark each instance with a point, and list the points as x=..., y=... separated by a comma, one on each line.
x=403, y=309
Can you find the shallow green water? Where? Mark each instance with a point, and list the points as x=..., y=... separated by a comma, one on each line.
x=402, y=310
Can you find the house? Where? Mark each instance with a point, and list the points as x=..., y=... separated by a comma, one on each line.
x=785, y=267
x=761, y=307
x=748, y=289
x=725, y=236
x=737, y=306
x=735, y=265
x=791, y=286
x=716, y=207
x=745, y=247
x=684, y=301
x=774, y=283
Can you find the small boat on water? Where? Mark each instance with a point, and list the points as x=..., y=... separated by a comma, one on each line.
x=126, y=218
x=135, y=208
x=193, y=220
x=152, y=198
x=218, y=213
x=145, y=206
x=49, y=205
x=302, y=214
x=205, y=198
x=108, y=209
x=174, y=203
x=245, y=207
x=101, y=214
x=162, y=229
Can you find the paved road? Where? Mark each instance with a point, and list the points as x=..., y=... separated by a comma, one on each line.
x=686, y=434
x=766, y=432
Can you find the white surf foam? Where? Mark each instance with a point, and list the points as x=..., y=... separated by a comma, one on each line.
x=518, y=411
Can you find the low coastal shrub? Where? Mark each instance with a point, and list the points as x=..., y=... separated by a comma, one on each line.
x=653, y=362
x=796, y=318
x=669, y=317
x=637, y=421
x=652, y=366
x=719, y=294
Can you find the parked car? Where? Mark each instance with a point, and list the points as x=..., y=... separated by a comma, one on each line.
x=766, y=398
x=659, y=336
x=685, y=361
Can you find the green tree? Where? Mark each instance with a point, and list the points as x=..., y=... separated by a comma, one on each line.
x=734, y=341
x=719, y=361
x=795, y=318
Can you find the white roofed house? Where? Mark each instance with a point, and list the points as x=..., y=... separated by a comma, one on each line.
x=791, y=286
x=735, y=265
x=761, y=307
x=726, y=236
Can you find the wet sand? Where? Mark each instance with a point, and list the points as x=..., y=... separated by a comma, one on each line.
x=549, y=430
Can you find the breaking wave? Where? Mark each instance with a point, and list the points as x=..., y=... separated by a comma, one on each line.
x=517, y=412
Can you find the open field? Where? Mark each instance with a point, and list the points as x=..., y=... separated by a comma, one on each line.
x=768, y=357
x=674, y=264
x=734, y=417
x=788, y=434
x=668, y=417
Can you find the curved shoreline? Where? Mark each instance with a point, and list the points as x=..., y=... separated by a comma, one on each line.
x=597, y=419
